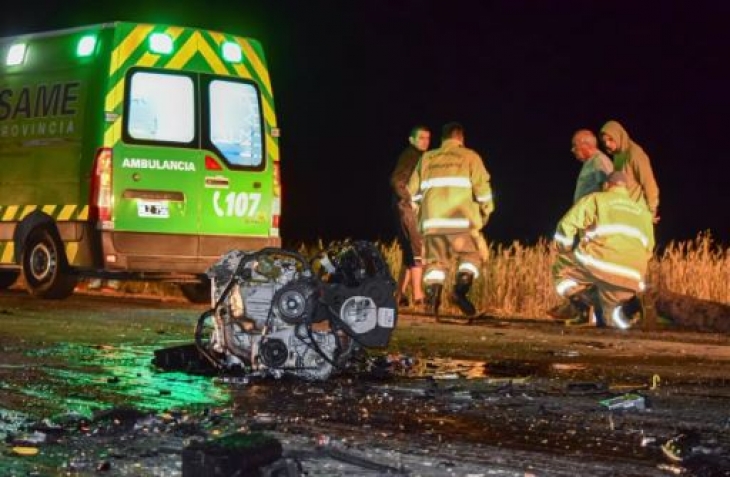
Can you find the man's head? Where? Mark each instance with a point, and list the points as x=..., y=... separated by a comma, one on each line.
x=453, y=131
x=584, y=145
x=420, y=138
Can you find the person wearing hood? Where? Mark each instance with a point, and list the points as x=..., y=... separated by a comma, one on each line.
x=630, y=158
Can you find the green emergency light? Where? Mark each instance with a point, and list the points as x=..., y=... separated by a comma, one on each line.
x=16, y=55
x=231, y=52
x=86, y=46
x=161, y=43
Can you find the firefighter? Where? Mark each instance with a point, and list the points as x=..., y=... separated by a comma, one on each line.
x=450, y=186
x=607, y=268
x=593, y=174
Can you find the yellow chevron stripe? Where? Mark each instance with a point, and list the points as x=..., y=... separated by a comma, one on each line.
x=269, y=113
x=175, y=32
x=113, y=133
x=148, y=59
x=84, y=213
x=27, y=210
x=114, y=97
x=48, y=209
x=272, y=147
x=10, y=212
x=258, y=65
x=127, y=46
x=72, y=250
x=8, y=253
x=242, y=71
x=183, y=55
x=66, y=212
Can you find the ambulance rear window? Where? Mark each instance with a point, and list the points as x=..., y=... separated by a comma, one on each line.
x=235, y=122
x=161, y=107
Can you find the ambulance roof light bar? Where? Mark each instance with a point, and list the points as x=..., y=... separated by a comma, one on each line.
x=161, y=43
x=16, y=55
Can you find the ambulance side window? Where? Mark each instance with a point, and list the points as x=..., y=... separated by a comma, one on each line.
x=235, y=122
x=161, y=107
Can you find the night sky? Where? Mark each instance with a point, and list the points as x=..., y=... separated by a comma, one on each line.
x=351, y=77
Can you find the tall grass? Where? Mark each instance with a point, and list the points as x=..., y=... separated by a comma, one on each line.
x=516, y=280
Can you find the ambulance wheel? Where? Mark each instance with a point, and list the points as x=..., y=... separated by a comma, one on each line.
x=196, y=292
x=7, y=278
x=45, y=268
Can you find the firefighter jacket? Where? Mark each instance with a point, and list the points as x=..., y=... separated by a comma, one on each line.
x=631, y=159
x=450, y=187
x=617, y=236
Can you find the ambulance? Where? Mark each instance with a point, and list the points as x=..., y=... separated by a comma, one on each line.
x=133, y=151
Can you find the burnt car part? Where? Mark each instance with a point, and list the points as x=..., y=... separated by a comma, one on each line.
x=276, y=313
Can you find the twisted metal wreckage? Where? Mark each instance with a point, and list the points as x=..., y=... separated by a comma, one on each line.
x=275, y=313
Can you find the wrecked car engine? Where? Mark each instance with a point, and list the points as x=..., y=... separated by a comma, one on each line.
x=275, y=313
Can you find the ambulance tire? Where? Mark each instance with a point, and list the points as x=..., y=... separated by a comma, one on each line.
x=45, y=268
x=196, y=292
x=7, y=278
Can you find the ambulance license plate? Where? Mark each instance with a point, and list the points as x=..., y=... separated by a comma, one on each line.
x=154, y=209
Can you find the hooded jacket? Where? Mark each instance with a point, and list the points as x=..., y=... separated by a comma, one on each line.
x=617, y=236
x=450, y=185
x=631, y=159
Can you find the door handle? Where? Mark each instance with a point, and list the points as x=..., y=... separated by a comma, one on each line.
x=217, y=181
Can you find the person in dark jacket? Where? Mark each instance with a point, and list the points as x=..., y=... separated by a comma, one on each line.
x=409, y=237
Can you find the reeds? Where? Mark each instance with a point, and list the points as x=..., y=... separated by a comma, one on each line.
x=516, y=280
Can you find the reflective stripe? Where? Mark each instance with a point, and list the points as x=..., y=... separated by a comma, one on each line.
x=446, y=182
x=609, y=267
x=618, y=319
x=485, y=198
x=565, y=285
x=469, y=267
x=565, y=241
x=618, y=229
x=434, y=276
x=445, y=224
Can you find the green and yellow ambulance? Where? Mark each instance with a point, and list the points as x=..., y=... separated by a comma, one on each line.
x=133, y=150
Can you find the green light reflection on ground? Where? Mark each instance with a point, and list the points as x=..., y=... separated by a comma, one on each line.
x=88, y=378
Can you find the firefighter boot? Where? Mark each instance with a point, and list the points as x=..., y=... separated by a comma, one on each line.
x=433, y=299
x=582, y=312
x=459, y=296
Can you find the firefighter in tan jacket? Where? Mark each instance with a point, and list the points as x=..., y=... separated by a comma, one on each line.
x=607, y=268
x=450, y=187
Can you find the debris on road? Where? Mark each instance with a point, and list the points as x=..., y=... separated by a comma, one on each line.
x=626, y=401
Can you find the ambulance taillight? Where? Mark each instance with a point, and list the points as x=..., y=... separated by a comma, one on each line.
x=101, y=189
x=276, y=201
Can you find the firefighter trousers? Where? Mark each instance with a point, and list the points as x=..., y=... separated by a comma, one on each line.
x=443, y=250
x=571, y=278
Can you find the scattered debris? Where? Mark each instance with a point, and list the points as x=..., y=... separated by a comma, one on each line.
x=234, y=454
x=626, y=401
x=584, y=388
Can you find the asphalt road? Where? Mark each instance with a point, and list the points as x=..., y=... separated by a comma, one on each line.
x=498, y=397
